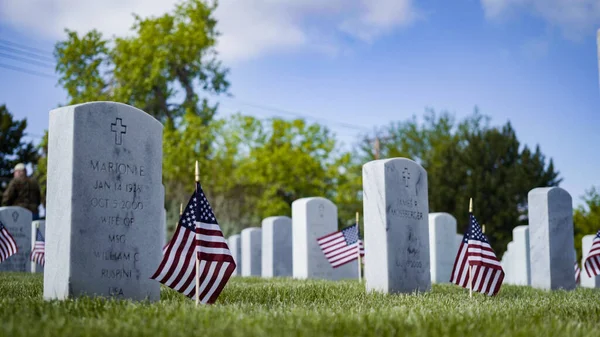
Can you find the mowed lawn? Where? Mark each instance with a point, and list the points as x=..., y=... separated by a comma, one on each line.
x=284, y=307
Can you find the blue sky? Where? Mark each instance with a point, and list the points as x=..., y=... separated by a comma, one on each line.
x=365, y=63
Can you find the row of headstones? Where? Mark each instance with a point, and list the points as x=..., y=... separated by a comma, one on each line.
x=517, y=265
x=105, y=201
x=268, y=251
x=287, y=247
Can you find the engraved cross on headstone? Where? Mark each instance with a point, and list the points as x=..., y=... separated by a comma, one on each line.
x=119, y=129
x=405, y=176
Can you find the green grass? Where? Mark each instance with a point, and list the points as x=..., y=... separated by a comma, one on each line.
x=283, y=307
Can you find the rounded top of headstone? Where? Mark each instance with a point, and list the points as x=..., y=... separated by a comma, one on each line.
x=520, y=229
x=510, y=244
x=437, y=215
x=250, y=230
x=103, y=106
x=590, y=236
x=15, y=208
x=394, y=161
x=312, y=200
x=550, y=192
x=278, y=218
x=234, y=236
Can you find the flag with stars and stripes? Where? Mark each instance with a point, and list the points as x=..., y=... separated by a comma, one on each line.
x=592, y=260
x=340, y=247
x=476, y=256
x=577, y=273
x=37, y=253
x=8, y=245
x=197, y=234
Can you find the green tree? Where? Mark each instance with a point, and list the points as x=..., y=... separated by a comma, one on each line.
x=253, y=168
x=586, y=219
x=13, y=149
x=175, y=50
x=167, y=67
x=471, y=159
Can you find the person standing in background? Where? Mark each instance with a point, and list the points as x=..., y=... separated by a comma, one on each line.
x=23, y=191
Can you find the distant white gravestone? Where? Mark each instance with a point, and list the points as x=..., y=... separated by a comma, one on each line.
x=586, y=281
x=508, y=264
x=235, y=246
x=442, y=246
x=313, y=218
x=277, y=246
x=551, y=239
x=251, y=251
x=17, y=221
x=41, y=224
x=521, y=274
x=104, y=202
x=396, y=208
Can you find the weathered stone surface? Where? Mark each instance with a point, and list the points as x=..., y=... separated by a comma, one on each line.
x=396, y=208
x=17, y=221
x=104, y=202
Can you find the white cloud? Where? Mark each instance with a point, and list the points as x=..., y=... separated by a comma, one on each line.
x=574, y=17
x=378, y=17
x=250, y=28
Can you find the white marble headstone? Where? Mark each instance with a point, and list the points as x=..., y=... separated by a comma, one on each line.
x=442, y=246
x=277, y=247
x=520, y=263
x=551, y=239
x=586, y=281
x=104, y=202
x=251, y=251
x=396, y=208
x=17, y=221
x=313, y=218
x=37, y=268
x=235, y=246
x=508, y=268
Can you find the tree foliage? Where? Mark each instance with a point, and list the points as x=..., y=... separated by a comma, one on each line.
x=13, y=149
x=471, y=159
x=161, y=68
x=253, y=168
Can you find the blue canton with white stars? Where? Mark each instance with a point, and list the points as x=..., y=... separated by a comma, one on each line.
x=350, y=234
x=197, y=210
x=474, y=232
x=38, y=236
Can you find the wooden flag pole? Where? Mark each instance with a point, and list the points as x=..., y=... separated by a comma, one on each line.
x=470, y=272
x=197, y=176
x=358, y=249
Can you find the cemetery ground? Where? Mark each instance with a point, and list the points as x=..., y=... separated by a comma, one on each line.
x=277, y=307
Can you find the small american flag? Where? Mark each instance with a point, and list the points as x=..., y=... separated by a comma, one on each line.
x=592, y=261
x=577, y=273
x=476, y=256
x=37, y=253
x=340, y=247
x=8, y=246
x=197, y=233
